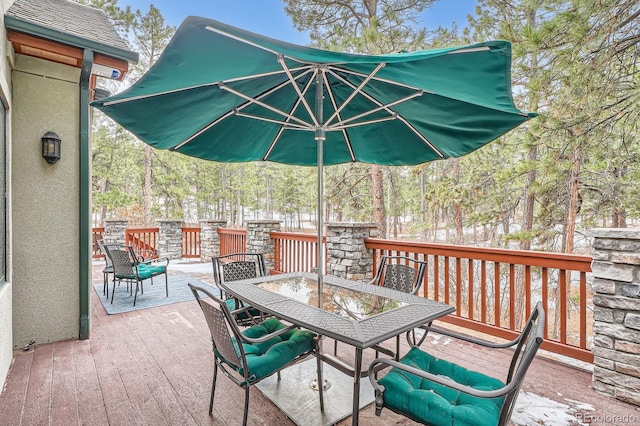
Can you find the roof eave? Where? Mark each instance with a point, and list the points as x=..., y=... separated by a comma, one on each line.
x=15, y=24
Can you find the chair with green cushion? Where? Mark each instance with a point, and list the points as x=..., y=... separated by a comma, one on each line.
x=434, y=391
x=264, y=349
x=128, y=267
x=234, y=267
x=400, y=273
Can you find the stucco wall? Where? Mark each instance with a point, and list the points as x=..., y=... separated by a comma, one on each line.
x=6, y=327
x=45, y=209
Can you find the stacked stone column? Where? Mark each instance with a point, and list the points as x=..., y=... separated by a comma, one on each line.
x=210, y=239
x=347, y=256
x=169, y=242
x=114, y=231
x=259, y=239
x=616, y=300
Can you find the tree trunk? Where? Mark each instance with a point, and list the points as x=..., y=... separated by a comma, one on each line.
x=379, y=212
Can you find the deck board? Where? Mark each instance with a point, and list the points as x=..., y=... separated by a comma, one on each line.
x=154, y=366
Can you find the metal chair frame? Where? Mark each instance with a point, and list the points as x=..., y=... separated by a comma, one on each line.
x=125, y=263
x=239, y=266
x=525, y=347
x=229, y=354
x=400, y=273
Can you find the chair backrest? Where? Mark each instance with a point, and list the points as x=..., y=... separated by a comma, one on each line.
x=238, y=266
x=103, y=250
x=528, y=344
x=400, y=273
x=122, y=258
x=222, y=328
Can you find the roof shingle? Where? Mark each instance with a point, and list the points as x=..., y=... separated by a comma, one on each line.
x=70, y=18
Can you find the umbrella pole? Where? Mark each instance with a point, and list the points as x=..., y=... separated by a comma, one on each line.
x=320, y=137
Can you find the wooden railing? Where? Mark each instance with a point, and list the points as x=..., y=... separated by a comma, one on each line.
x=191, y=242
x=142, y=239
x=295, y=252
x=232, y=240
x=494, y=290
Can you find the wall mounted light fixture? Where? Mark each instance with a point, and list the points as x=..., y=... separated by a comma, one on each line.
x=51, y=147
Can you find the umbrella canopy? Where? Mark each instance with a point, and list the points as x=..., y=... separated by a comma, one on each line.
x=225, y=94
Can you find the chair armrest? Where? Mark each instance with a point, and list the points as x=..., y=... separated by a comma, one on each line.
x=266, y=337
x=481, y=342
x=442, y=380
x=156, y=260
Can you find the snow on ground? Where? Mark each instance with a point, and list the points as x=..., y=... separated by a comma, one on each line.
x=532, y=409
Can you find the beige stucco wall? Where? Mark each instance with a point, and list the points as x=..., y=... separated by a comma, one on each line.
x=6, y=298
x=45, y=205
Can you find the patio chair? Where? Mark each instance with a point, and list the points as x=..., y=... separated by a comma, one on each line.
x=127, y=266
x=234, y=267
x=399, y=273
x=438, y=392
x=256, y=353
x=107, y=270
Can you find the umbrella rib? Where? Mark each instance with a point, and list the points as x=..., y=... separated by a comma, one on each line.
x=399, y=117
x=362, y=123
x=297, y=89
x=286, y=126
x=355, y=92
x=387, y=107
x=256, y=101
x=345, y=134
x=234, y=111
x=197, y=86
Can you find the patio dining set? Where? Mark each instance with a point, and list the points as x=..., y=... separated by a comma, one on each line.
x=262, y=324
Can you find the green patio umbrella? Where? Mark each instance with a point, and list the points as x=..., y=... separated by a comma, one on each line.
x=224, y=94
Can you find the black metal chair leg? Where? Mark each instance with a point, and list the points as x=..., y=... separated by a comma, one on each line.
x=246, y=406
x=213, y=387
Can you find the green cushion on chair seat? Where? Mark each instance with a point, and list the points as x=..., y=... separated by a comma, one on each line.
x=434, y=404
x=265, y=358
x=147, y=271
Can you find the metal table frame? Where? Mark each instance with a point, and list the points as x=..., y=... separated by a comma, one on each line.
x=361, y=334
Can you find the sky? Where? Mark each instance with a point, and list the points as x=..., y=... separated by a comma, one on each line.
x=267, y=17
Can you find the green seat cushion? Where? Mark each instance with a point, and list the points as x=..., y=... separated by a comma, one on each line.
x=145, y=271
x=435, y=404
x=149, y=270
x=265, y=358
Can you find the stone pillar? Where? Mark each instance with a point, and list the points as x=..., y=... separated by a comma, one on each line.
x=347, y=257
x=210, y=239
x=115, y=230
x=616, y=313
x=259, y=239
x=170, y=238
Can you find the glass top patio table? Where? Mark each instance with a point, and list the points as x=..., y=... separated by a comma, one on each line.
x=355, y=313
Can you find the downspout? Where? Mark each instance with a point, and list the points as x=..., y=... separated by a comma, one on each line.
x=85, y=194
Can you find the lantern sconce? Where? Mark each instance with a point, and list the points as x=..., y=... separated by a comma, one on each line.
x=51, y=147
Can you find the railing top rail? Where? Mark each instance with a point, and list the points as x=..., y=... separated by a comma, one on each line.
x=139, y=230
x=574, y=262
x=232, y=231
x=296, y=236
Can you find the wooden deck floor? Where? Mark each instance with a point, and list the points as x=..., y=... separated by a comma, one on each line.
x=154, y=367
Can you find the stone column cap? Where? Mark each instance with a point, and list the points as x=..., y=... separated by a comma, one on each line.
x=624, y=233
x=264, y=221
x=353, y=224
x=170, y=220
x=212, y=221
x=115, y=220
